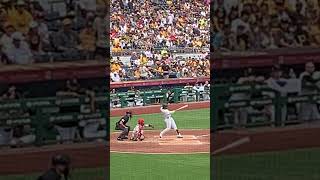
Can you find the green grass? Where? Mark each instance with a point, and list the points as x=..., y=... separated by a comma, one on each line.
x=160, y=167
x=79, y=174
x=293, y=165
x=191, y=119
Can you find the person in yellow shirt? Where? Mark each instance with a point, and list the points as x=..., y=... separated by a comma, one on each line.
x=137, y=74
x=20, y=18
x=314, y=32
x=88, y=38
x=115, y=66
x=116, y=45
x=159, y=70
x=202, y=23
x=143, y=59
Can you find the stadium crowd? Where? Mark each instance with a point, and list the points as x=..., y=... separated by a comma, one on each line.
x=155, y=28
x=156, y=66
x=37, y=30
x=264, y=24
x=140, y=24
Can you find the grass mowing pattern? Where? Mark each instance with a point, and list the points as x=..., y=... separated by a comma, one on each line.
x=190, y=119
x=293, y=165
x=160, y=167
x=78, y=174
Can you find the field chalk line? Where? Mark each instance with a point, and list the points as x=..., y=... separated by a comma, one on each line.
x=233, y=145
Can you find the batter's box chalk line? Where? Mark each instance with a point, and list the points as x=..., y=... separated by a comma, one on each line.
x=134, y=142
x=175, y=143
x=170, y=137
x=205, y=135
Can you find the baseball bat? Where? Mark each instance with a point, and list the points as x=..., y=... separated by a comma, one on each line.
x=185, y=106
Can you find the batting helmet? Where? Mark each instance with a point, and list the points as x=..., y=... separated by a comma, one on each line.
x=141, y=121
x=165, y=106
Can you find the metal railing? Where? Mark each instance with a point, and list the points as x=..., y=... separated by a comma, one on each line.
x=42, y=114
x=258, y=105
x=149, y=97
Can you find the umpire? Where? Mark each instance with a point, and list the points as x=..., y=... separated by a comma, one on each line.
x=60, y=168
x=122, y=125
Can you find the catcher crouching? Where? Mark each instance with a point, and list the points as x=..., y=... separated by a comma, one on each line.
x=138, y=131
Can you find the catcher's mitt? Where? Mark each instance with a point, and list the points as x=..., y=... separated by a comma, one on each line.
x=150, y=125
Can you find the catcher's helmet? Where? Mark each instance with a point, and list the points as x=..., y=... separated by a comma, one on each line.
x=165, y=106
x=141, y=121
x=60, y=159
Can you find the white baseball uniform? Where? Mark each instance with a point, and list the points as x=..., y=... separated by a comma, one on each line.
x=137, y=131
x=170, y=123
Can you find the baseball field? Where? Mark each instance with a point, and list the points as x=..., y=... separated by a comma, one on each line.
x=267, y=153
x=295, y=165
x=167, y=158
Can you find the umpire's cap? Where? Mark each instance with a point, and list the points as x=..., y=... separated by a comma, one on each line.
x=129, y=113
x=165, y=106
x=60, y=159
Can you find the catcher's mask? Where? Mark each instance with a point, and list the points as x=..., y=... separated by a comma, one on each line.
x=165, y=106
x=60, y=159
x=129, y=113
x=141, y=121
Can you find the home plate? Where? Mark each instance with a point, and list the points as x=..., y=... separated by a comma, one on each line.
x=175, y=137
x=195, y=142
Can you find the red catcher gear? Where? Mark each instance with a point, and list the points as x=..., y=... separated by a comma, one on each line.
x=141, y=121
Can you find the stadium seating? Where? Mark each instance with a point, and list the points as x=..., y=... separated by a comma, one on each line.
x=149, y=97
x=42, y=114
x=259, y=25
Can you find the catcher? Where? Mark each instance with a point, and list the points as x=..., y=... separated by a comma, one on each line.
x=138, y=132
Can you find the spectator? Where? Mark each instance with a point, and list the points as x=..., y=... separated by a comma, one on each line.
x=73, y=88
x=67, y=41
x=34, y=39
x=309, y=111
x=22, y=135
x=88, y=39
x=100, y=26
x=93, y=128
x=3, y=56
x=252, y=25
x=11, y=94
x=20, y=52
x=206, y=94
x=6, y=39
x=20, y=17
x=115, y=77
x=88, y=5
x=154, y=26
x=43, y=29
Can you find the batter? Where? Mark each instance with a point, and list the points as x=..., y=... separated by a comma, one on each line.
x=170, y=123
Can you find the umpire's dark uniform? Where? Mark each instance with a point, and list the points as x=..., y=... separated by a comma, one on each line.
x=123, y=127
x=51, y=174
